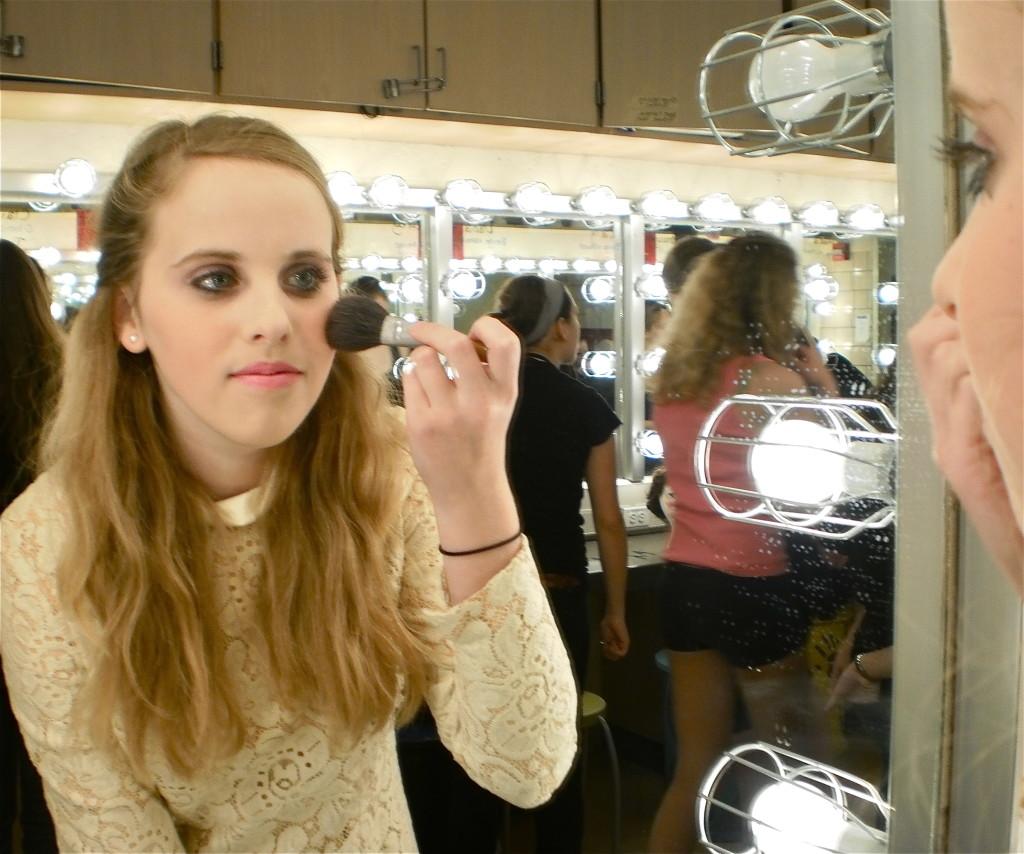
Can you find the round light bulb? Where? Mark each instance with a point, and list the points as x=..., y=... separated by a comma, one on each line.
x=75, y=177
x=651, y=286
x=490, y=264
x=823, y=214
x=58, y=312
x=410, y=289
x=462, y=194
x=884, y=355
x=534, y=197
x=47, y=256
x=718, y=207
x=821, y=289
x=770, y=211
x=661, y=204
x=66, y=280
x=596, y=202
x=387, y=191
x=865, y=218
x=798, y=462
x=598, y=289
x=466, y=284
x=825, y=309
x=598, y=363
x=647, y=363
x=344, y=189
x=888, y=293
x=794, y=818
x=649, y=444
x=826, y=346
x=611, y=266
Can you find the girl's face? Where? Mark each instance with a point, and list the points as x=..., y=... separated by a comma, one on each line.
x=235, y=285
x=981, y=281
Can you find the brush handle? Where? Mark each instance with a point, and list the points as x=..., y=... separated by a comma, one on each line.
x=394, y=331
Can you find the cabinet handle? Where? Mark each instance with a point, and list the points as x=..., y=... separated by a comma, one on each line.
x=393, y=87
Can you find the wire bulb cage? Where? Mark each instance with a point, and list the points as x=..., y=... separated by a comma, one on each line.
x=798, y=806
x=814, y=466
x=804, y=84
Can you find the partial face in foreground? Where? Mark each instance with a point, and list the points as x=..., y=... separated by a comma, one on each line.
x=236, y=282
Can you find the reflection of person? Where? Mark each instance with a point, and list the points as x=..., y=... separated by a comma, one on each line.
x=381, y=360
x=656, y=318
x=969, y=348
x=732, y=612
x=31, y=347
x=227, y=584
x=562, y=434
x=681, y=259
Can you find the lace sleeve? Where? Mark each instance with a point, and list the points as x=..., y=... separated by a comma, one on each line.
x=504, y=696
x=95, y=801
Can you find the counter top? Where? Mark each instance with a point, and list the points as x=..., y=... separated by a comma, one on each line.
x=642, y=550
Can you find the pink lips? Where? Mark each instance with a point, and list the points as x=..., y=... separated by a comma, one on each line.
x=268, y=374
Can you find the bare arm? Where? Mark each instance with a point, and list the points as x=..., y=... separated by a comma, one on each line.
x=611, y=546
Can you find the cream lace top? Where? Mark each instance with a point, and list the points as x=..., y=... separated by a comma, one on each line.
x=504, y=700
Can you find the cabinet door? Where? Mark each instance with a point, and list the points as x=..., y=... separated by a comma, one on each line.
x=522, y=59
x=652, y=51
x=337, y=51
x=163, y=44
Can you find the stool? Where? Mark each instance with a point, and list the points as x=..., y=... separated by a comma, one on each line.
x=592, y=707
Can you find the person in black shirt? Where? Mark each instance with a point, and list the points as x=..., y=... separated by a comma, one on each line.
x=562, y=433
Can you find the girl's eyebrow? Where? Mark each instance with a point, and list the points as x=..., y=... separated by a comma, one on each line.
x=967, y=103
x=219, y=254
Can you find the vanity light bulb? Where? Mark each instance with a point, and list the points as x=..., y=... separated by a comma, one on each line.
x=824, y=288
x=466, y=284
x=826, y=346
x=825, y=309
x=387, y=191
x=647, y=363
x=462, y=194
x=770, y=211
x=533, y=197
x=344, y=189
x=490, y=263
x=816, y=271
x=717, y=207
x=661, y=204
x=410, y=317
x=65, y=280
x=651, y=287
x=810, y=67
x=410, y=263
x=884, y=355
x=410, y=289
x=596, y=202
x=75, y=177
x=888, y=293
x=598, y=363
x=819, y=215
x=649, y=444
x=598, y=289
x=793, y=818
x=550, y=266
x=58, y=312
x=611, y=266
x=47, y=256
x=513, y=265
x=582, y=265
x=44, y=207
x=371, y=262
x=865, y=218
x=798, y=461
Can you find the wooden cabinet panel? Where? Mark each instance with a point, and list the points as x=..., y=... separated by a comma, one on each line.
x=336, y=51
x=524, y=59
x=163, y=44
x=652, y=51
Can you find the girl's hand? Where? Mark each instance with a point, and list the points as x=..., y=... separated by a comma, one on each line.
x=457, y=430
x=959, y=446
x=614, y=637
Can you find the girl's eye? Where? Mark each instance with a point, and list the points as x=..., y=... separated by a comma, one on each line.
x=307, y=280
x=976, y=160
x=213, y=281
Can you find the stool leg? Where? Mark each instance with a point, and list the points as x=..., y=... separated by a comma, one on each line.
x=613, y=758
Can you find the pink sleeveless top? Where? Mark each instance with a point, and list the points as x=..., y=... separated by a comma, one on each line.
x=699, y=535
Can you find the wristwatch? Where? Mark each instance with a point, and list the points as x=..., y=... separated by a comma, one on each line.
x=858, y=664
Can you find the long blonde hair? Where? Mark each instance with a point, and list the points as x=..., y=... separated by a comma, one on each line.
x=136, y=564
x=738, y=301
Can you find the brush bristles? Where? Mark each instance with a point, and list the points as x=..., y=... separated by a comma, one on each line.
x=355, y=323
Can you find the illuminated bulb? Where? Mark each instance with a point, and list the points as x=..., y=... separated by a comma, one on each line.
x=410, y=317
x=661, y=204
x=717, y=207
x=582, y=265
x=888, y=293
x=58, y=312
x=461, y=194
x=596, y=202
x=647, y=364
x=44, y=207
x=865, y=218
x=598, y=289
x=475, y=218
x=89, y=278
x=533, y=197
x=884, y=355
x=821, y=289
x=826, y=346
x=550, y=266
x=490, y=263
x=808, y=66
x=513, y=265
x=770, y=211
x=821, y=214
x=387, y=191
x=75, y=177
x=410, y=289
x=466, y=284
x=65, y=280
x=651, y=286
x=47, y=256
x=371, y=262
x=816, y=271
x=796, y=818
x=598, y=363
x=793, y=461
x=410, y=263
x=825, y=309
x=611, y=266
x=649, y=444
x=344, y=189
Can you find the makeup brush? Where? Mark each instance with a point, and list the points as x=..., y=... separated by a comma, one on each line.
x=359, y=323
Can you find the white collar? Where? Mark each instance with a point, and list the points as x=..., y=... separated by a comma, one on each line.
x=241, y=510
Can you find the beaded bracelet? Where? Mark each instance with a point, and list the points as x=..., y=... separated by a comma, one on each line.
x=447, y=553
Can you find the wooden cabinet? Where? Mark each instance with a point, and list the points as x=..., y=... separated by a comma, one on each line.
x=159, y=44
x=334, y=51
x=522, y=59
x=651, y=52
